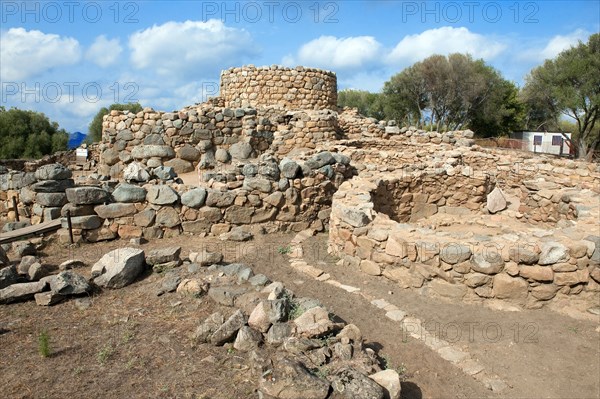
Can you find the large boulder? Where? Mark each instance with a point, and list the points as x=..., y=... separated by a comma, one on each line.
x=87, y=195
x=51, y=199
x=118, y=268
x=53, y=171
x=129, y=193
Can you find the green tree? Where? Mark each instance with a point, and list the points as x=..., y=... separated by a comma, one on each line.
x=29, y=134
x=568, y=86
x=368, y=103
x=95, y=127
x=451, y=93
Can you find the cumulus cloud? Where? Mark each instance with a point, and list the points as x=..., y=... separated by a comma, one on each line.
x=24, y=53
x=444, y=40
x=559, y=43
x=337, y=53
x=104, y=52
x=190, y=48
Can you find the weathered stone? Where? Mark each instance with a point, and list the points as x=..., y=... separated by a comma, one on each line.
x=4, y=260
x=487, y=263
x=236, y=234
x=118, y=268
x=161, y=195
x=87, y=195
x=315, y=323
x=194, y=198
x=83, y=222
x=69, y=283
x=163, y=255
x=51, y=199
x=448, y=290
x=189, y=153
x=222, y=155
x=151, y=151
x=389, y=380
x=353, y=384
x=226, y=295
x=289, y=168
x=37, y=271
x=8, y=276
x=21, y=292
x=136, y=172
x=117, y=210
x=455, y=253
x=192, y=287
x=572, y=278
x=496, y=201
x=267, y=313
x=220, y=199
x=168, y=217
x=208, y=327
x=474, y=280
x=77, y=210
x=25, y=264
x=553, y=252
x=240, y=150
x=506, y=287
x=544, y=292
x=247, y=339
x=52, y=186
x=179, y=166
x=237, y=214
x=110, y=156
x=48, y=298
x=227, y=331
x=23, y=248
x=206, y=258
x=370, y=267
x=53, y=171
x=290, y=379
x=164, y=173
x=319, y=160
x=523, y=255
x=537, y=273
x=278, y=333
x=257, y=183
x=422, y=210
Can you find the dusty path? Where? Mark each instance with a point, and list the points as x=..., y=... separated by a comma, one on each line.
x=539, y=353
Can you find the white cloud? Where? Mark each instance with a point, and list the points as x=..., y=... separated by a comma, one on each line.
x=337, y=53
x=104, y=52
x=190, y=48
x=559, y=43
x=444, y=40
x=24, y=53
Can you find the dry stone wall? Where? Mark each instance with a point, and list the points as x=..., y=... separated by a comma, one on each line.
x=528, y=268
x=290, y=88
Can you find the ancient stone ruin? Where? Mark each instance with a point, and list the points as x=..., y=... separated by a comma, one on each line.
x=431, y=211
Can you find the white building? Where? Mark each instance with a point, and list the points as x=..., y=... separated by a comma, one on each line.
x=544, y=142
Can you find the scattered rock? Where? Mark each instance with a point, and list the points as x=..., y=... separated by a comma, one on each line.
x=315, y=323
x=118, y=268
x=353, y=384
x=496, y=201
x=21, y=291
x=8, y=276
x=226, y=332
x=236, y=234
x=247, y=339
x=288, y=378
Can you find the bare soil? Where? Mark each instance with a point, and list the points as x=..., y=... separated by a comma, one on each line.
x=131, y=343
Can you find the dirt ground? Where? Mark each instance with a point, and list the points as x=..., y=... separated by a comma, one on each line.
x=131, y=343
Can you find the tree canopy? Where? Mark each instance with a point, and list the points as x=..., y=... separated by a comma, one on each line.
x=29, y=134
x=368, y=104
x=95, y=128
x=568, y=85
x=453, y=92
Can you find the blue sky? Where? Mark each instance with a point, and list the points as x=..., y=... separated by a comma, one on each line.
x=69, y=58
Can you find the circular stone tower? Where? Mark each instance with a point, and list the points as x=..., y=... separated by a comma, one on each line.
x=291, y=88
